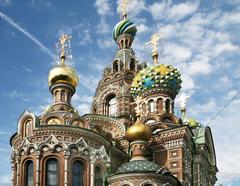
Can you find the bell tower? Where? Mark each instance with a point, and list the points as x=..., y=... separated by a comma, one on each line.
x=112, y=96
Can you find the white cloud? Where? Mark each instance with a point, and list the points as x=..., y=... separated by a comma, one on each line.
x=142, y=28
x=178, y=53
x=5, y=179
x=168, y=10
x=200, y=67
x=103, y=7
x=89, y=82
x=179, y=11
x=134, y=7
x=84, y=37
x=105, y=43
x=219, y=48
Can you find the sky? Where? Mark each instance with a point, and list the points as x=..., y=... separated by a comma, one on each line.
x=200, y=38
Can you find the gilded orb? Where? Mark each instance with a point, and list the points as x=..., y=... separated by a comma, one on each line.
x=139, y=131
x=63, y=74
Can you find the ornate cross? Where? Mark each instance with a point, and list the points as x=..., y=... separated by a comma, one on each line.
x=183, y=98
x=154, y=42
x=123, y=5
x=63, y=46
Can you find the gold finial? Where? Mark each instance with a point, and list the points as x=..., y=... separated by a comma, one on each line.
x=63, y=47
x=123, y=5
x=154, y=43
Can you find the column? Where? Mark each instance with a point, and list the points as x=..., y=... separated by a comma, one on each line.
x=13, y=171
x=171, y=108
x=92, y=162
x=37, y=153
x=155, y=105
x=18, y=171
x=164, y=105
x=66, y=169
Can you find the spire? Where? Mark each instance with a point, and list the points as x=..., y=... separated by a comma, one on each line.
x=123, y=5
x=154, y=43
x=64, y=47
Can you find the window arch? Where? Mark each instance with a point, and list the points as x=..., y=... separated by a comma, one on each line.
x=52, y=173
x=151, y=106
x=160, y=105
x=167, y=105
x=77, y=173
x=132, y=65
x=111, y=106
x=98, y=176
x=115, y=66
x=28, y=128
x=29, y=173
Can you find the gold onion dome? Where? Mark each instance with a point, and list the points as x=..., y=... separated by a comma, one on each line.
x=138, y=131
x=63, y=74
x=162, y=77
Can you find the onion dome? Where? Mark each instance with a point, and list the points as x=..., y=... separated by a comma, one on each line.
x=125, y=26
x=164, y=78
x=63, y=74
x=138, y=131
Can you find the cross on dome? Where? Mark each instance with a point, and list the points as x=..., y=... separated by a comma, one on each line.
x=154, y=43
x=123, y=5
x=63, y=47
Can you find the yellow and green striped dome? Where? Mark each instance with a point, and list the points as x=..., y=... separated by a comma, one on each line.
x=162, y=77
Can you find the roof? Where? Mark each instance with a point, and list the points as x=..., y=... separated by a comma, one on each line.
x=138, y=166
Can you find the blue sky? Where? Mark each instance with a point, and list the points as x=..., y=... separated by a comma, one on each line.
x=200, y=38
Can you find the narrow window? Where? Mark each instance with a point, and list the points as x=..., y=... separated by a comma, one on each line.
x=98, y=176
x=29, y=173
x=112, y=106
x=52, y=172
x=77, y=173
x=168, y=105
x=151, y=106
x=132, y=65
x=115, y=66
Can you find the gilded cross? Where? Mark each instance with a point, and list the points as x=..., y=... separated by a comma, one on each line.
x=154, y=42
x=183, y=98
x=123, y=5
x=64, y=46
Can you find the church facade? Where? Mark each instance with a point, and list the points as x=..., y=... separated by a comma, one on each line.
x=131, y=137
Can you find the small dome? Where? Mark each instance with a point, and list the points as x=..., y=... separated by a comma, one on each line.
x=125, y=26
x=63, y=74
x=138, y=131
x=159, y=76
x=138, y=166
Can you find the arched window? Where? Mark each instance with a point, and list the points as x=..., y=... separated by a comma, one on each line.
x=29, y=173
x=98, y=176
x=52, y=172
x=132, y=65
x=168, y=105
x=77, y=173
x=115, y=66
x=160, y=105
x=151, y=105
x=28, y=128
x=111, y=105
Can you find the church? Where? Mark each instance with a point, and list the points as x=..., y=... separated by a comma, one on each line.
x=131, y=137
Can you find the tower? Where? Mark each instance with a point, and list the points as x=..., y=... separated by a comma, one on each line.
x=112, y=97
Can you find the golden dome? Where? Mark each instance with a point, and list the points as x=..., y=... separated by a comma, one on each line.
x=139, y=131
x=63, y=74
